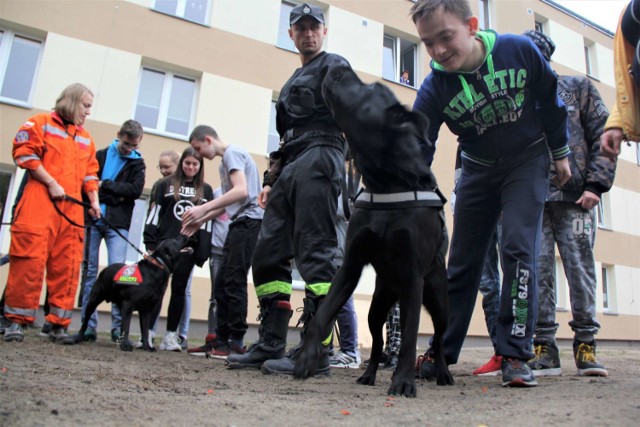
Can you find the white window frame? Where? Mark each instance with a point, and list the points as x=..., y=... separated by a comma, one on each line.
x=607, y=277
x=283, y=40
x=484, y=14
x=181, y=9
x=590, y=59
x=398, y=54
x=136, y=229
x=561, y=286
x=273, y=139
x=164, y=102
x=6, y=43
x=603, y=212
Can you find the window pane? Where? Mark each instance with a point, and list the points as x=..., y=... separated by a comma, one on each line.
x=409, y=61
x=389, y=59
x=167, y=6
x=180, y=102
x=21, y=69
x=149, y=96
x=284, y=41
x=196, y=10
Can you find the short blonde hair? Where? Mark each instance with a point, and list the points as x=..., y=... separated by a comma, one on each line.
x=172, y=154
x=67, y=104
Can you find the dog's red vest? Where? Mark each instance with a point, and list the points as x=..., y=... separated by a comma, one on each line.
x=128, y=275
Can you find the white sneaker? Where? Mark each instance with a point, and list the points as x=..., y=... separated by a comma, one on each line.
x=170, y=342
x=343, y=360
x=138, y=344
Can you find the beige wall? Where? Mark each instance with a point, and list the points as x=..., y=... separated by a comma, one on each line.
x=239, y=70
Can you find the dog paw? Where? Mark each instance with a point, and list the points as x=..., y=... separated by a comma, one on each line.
x=444, y=378
x=405, y=388
x=126, y=345
x=367, y=379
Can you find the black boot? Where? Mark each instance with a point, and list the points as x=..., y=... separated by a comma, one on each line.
x=284, y=365
x=272, y=332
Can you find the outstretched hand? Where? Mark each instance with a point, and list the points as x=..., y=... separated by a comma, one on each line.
x=610, y=142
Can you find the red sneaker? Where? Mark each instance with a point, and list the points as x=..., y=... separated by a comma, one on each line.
x=491, y=368
x=205, y=348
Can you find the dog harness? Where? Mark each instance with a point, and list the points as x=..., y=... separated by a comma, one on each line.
x=128, y=275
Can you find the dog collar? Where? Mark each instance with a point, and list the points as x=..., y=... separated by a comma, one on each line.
x=405, y=196
x=155, y=261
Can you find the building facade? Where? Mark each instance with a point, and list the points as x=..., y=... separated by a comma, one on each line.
x=173, y=64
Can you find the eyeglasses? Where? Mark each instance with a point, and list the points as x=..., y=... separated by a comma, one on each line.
x=128, y=144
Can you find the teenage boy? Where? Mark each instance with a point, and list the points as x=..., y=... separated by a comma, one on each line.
x=498, y=95
x=240, y=184
x=568, y=221
x=122, y=171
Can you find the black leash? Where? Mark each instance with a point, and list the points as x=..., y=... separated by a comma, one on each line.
x=106, y=221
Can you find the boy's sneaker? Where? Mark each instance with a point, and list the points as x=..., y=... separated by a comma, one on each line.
x=516, y=373
x=585, y=355
x=491, y=368
x=391, y=364
x=207, y=347
x=425, y=366
x=220, y=351
x=89, y=335
x=15, y=332
x=59, y=335
x=115, y=335
x=343, y=360
x=46, y=329
x=183, y=342
x=170, y=342
x=546, y=361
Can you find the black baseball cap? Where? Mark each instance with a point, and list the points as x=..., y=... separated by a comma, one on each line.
x=305, y=9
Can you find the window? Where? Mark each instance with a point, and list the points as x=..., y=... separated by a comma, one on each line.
x=165, y=102
x=608, y=289
x=590, y=58
x=484, y=16
x=273, y=141
x=136, y=228
x=638, y=154
x=19, y=60
x=560, y=285
x=398, y=55
x=603, y=211
x=539, y=26
x=284, y=41
x=191, y=10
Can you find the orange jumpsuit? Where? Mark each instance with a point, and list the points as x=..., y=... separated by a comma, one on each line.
x=41, y=238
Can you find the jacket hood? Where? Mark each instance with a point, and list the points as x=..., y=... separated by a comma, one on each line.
x=133, y=155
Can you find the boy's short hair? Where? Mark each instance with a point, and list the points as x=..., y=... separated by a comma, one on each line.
x=425, y=8
x=131, y=129
x=200, y=131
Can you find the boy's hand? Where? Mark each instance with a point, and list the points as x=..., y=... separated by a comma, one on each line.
x=610, y=142
x=264, y=196
x=563, y=172
x=192, y=220
x=588, y=200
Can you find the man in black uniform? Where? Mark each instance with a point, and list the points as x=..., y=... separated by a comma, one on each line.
x=299, y=221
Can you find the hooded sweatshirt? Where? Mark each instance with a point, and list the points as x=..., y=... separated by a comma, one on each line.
x=492, y=110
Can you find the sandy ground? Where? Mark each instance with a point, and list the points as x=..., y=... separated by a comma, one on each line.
x=44, y=384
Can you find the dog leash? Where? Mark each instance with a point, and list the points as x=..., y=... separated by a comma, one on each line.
x=153, y=260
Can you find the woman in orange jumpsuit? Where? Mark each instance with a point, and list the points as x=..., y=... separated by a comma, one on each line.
x=47, y=232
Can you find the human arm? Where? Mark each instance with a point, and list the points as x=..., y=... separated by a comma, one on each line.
x=196, y=216
x=263, y=197
x=94, y=201
x=40, y=174
x=113, y=192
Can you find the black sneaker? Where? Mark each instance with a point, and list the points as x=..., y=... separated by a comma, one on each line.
x=425, y=367
x=516, y=373
x=4, y=324
x=182, y=340
x=115, y=335
x=15, y=332
x=585, y=355
x=59, y=335
x=384, y=357
x=46, y=329
x=207, y=347
x=546, y=361
x=391, y=364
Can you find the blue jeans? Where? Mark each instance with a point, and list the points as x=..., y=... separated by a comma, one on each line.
x=490, y=286
x=183, y=326
x=116, y=253
x=348, y=326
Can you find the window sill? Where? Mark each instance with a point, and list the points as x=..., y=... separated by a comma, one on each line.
x=400, y=84
x=180, y=17
x=15, y=103
x=167, y=134
x=605, y=227
x=610, y=313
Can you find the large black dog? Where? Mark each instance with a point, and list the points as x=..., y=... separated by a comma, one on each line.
x=138, y=289
x=397, y=226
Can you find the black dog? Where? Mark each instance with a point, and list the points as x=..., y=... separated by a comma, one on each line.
x=142, y=290
x=397, y=226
